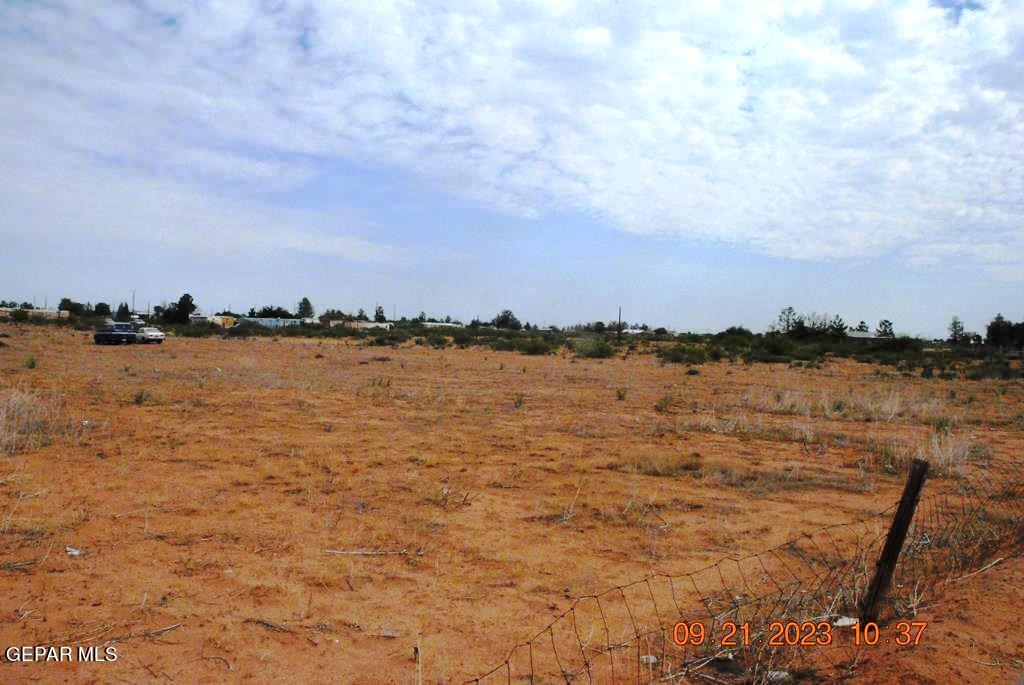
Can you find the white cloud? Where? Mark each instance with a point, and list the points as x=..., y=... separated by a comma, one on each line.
x=810, y=130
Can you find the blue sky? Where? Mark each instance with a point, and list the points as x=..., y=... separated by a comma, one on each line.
x=701, y=164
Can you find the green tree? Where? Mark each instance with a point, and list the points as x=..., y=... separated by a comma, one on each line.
x=305, y=309
x=956, y=332
x=787, y=321
x=101, y=309
x=70, y=306
x=186, y=306
x=884, y=329
x=862, y=327
x=123, y=313
x=999, y=332
x=379, y=316
x=506, y=319
x=361, y=316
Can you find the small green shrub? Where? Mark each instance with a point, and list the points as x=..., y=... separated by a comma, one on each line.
x=683, y=353
x=31, y=363
x=593, y=348
x=620, y=394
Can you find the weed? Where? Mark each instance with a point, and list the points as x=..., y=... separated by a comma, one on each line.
x=664, y=403
x=620, y=394
x=593, y=348
x=31, y=363
x=28, y=421
x=518, y=400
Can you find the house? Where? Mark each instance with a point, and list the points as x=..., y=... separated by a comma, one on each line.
x=223, y=320
x=271, y=322
x=5, y=313
x=361, y=325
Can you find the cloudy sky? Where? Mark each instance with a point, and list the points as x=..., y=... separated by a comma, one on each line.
x=701, y=164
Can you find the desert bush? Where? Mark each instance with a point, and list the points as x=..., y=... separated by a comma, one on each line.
x=29, y=420
x=593, y=348
x=683, y=353
x=31, y=363
x=620, y=394
x=661, y=462
x=533, y=345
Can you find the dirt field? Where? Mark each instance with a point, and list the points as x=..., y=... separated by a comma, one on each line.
x=205, y=482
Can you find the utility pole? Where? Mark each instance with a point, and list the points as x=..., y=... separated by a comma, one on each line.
x=618, y=329
x=133, y=300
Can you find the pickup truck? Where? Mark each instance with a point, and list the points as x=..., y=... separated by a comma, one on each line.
x=115, y=334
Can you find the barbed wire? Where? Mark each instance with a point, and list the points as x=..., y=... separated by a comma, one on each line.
x=628, y=633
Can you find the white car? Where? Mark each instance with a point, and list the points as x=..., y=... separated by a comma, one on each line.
x=149, y=334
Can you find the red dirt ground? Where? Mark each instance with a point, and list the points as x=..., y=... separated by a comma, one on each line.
x=204, y=481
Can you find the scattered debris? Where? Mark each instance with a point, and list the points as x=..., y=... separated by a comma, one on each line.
x=777, y=677
x=269, y=625
x=649, y=659
x=73, y=552
x=376, y=552
x=845, y=622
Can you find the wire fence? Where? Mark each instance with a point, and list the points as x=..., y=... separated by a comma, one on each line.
x=782, y=613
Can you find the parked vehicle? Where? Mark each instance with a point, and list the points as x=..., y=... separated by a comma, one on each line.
x=114, y=334
x=149, y=334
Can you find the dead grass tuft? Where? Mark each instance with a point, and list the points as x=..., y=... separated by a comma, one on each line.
x=29, y=421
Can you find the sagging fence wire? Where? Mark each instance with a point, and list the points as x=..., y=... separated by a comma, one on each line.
x=631, y=633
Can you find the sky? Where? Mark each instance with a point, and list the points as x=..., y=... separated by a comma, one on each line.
x=698, y=164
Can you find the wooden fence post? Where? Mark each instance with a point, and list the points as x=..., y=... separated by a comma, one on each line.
x=894, y=541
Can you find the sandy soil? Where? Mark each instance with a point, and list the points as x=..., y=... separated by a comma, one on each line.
x=205, y=481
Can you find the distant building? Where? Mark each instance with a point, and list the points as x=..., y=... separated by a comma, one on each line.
x=5, y=313
x=440, y=324
x=223, y=320
x=861, y=335
x=361, y=325
x=271, y=322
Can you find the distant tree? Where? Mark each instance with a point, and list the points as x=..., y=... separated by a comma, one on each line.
x=526, y=326
x=1000, y=333
x=101, y=309
x=123, y=313
x=837, y=327
x=26, y=305
x=334, y=315
x=787, y=321
x=379, y=316
x=183, y=309
x=862, y=328
x=228, y=312
x=305, y=309
x=598, y=326
x=884, y=329
x=271, y=312
x=506, y=319
x=70, y=306
x=475, y=323
x=956, y=332
x=361, y=316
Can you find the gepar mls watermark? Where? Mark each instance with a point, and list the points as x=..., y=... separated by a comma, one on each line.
x=52, y=653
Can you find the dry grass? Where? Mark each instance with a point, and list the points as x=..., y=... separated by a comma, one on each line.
x=660, y=462
x=29, y=420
